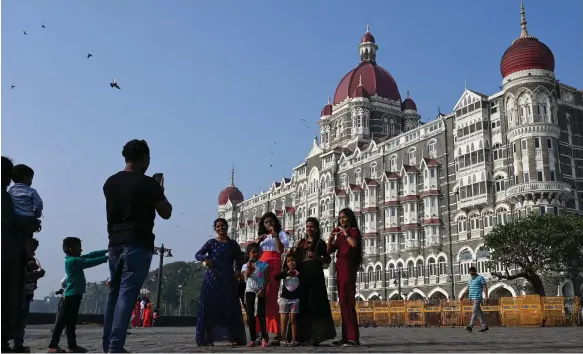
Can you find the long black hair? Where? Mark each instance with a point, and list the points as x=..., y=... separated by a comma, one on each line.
x=353, y=223
x=262, y=230
x=221, y=221
x=317, y=231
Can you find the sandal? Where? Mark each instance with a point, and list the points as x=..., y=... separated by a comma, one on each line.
x=339, y=342
x=294, y=343
x=350, y=343
x=251, y=344
x=264, y=343
x=275, y=343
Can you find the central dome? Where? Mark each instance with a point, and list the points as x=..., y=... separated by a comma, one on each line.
x=375, y=80
x=372, y=78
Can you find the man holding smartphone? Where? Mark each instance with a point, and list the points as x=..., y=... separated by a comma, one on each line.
x=132, y=201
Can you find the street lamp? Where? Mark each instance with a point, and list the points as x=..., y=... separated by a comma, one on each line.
x=180, y=303
x=162, y=252
x=398, y=282
x=449, y=208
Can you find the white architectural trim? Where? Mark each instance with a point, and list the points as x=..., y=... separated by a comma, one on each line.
x=502, y=285
x=395, y=292
x=374, y=293
x=437, y=289
x=418, y=291
x=360, y=296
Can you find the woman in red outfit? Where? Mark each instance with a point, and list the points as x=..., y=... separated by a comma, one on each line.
x=136, y=314
x=273, y=241
x=346, y=240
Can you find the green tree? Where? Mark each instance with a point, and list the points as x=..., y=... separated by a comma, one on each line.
x=179, y=279
x=540, y=246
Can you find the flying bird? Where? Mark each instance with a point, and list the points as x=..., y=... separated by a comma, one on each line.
x=25, y=33
x=270, y=165
x=89, y=55
x=12, y=87
x=43, y=26
x=302, y=119
x=114, y=84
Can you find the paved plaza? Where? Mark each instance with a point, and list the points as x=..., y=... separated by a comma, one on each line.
x=181, y=339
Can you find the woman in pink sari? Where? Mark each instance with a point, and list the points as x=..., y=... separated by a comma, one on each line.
x=273, y=242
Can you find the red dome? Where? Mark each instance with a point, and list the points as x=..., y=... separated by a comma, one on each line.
x=368, y=37
x=527, y=53
x=327, y=110
x=230, y=193
x=375, y=81
x=409, y=104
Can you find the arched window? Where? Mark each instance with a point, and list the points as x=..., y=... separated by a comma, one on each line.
x=442, y=265
x=475, y=222
x=373, y=170
x=378, y=273
x=392, y=127
x=482, y=260
x=412, y=157
x=510, y=112
x=497, y=152
x=465, y=259
x=488, y=219
x=419, y=268
x=432, y=267
x=500, y=184
x=501, y=216
x=431, y=149
x=410, y=270
x=386, y=125
x=462, y=224
x=393, y=164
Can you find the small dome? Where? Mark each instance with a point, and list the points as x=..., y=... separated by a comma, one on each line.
x=368, y=37
x=327, y=110
x=408, y=104
x=526, y=53
x=231, y=193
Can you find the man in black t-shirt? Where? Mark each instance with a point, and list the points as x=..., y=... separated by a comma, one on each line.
x=132, y=201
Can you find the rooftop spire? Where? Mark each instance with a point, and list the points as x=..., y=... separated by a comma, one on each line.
x=328, y=99
x=523, y=32
x=408, y=94
x=232, y=184
x=360, y=80
x=367, y=28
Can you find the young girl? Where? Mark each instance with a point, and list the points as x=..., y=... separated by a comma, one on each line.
x=289, y=302
x=257, y=275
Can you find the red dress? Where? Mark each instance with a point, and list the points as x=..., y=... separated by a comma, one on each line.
x=346, y=269
x=136, y=315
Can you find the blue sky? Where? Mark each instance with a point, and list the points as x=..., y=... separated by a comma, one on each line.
x=210, y=84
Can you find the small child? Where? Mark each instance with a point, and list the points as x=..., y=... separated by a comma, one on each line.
x=155, y=318
x=75, y=264
x=33, y=274
x=257, y=275
x=27, y=203
x=289, y=301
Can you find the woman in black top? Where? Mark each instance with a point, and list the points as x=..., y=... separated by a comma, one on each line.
x=315, y=318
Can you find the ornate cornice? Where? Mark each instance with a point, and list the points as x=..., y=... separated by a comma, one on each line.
x=534, y=129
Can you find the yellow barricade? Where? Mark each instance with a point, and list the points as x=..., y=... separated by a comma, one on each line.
x=451, y=313
x=530, y=310
x=382, y=313
x=415, y=314
x=335, y=308
x=432, y=313
x=365, y=313
x=397, y=312
x=510, y=311
x=554, y=311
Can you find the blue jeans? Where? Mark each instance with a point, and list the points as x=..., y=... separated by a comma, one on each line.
x=477, y=313
x=128, y=267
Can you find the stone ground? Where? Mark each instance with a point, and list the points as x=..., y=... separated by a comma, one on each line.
x=181, y=339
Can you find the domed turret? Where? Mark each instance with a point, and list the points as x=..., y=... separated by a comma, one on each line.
x=327, y=110
x=526, y=52
x=231, y=193
x=408, y=104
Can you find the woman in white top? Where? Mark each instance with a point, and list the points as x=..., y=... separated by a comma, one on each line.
x=273, y=242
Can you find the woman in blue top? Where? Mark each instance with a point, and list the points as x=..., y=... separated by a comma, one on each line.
x=219, y=312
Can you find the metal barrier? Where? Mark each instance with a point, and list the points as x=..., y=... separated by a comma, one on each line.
x=526, y=310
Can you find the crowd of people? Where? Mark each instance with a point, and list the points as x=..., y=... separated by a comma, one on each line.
x=285, y=293
x=132, y=201
x=282, y=289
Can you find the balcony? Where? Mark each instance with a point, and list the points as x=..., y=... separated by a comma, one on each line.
x=370, y=227
x=412, y=244
x=392, y=247
x=475, y=234
x=499, y=164
x=370, y=203
x=536, y=190
x=391, y=197
x=433, y=240
x=371, y=250
x=475, y=201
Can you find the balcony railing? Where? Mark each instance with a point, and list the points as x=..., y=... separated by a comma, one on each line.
x=475, y=201
x=538, y=187
x=391, y=195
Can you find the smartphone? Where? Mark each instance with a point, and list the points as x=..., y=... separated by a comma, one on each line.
x=159, y=177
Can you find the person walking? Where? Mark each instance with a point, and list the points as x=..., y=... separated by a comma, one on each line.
x=346, y=241
x=476, y=287
x=132, y=201
x=219, y=310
